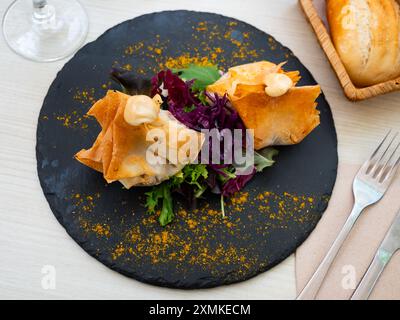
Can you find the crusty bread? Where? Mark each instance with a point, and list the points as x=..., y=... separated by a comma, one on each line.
x=366, y=34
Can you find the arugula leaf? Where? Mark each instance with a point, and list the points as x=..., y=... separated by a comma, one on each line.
x=264, y=158
x=203, y=75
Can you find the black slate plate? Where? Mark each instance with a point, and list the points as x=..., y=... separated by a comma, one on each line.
x=266, y=223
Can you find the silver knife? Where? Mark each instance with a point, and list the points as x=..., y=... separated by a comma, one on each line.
x=388, y=247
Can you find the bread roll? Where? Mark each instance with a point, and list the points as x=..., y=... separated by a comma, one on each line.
x=366, y=34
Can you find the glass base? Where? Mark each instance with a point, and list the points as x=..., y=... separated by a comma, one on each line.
x=45, y=34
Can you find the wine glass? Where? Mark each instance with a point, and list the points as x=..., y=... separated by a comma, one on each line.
x=45, y=30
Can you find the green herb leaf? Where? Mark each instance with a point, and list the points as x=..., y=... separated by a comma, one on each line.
x=203, y=98
x=176, y=180
x=203, y=75
x=193, y=174
x=228, y=174
x=189, y=109
x=264, y=158
x=167, y=211
x=200, y=191
x=152, y=198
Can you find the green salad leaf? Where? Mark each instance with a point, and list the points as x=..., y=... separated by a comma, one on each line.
x=192, y=174
x=167, y=211
x=189, y=109
x=195, y=175
x=203, y=75
x=227, y=174
x=161, y=195
x=264, y=158
x=152, y=198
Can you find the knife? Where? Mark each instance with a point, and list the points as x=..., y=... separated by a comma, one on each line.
x=388, y=247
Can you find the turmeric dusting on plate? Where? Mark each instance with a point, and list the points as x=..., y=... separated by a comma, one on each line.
x=187, y=242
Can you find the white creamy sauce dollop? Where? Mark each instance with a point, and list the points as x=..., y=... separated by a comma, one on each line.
x=277, y=84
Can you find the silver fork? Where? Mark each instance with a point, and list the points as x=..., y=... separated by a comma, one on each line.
x=369, y=186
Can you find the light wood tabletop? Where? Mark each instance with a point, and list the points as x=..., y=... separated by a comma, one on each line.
x=31, y=237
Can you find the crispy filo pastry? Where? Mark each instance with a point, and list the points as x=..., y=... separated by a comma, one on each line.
x=119, y=151
x=285, y=118
x=251, y=74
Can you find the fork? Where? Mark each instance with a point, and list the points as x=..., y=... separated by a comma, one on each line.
x=369, y=186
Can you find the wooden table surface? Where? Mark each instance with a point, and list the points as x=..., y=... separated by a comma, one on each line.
x=30, y=236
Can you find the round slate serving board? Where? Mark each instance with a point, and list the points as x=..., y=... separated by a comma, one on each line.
x=265, y=223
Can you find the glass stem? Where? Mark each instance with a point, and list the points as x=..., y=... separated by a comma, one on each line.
x=39, y=4
x=41, y=11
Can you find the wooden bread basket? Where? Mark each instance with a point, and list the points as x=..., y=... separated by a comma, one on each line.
x=351, y=91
